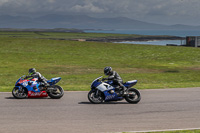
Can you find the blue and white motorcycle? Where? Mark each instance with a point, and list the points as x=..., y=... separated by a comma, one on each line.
x=104, y=91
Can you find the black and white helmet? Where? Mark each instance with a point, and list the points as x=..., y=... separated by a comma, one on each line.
x=107, y=70
x=31, y=71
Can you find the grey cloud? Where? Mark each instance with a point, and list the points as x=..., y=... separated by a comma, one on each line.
x=87, y=8
x=146, y=10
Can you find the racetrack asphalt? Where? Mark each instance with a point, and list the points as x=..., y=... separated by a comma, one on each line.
x=159, y=109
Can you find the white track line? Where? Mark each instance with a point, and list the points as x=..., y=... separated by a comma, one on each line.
x=162, y=130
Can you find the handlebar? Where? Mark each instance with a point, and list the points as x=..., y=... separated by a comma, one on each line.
x=22, y=77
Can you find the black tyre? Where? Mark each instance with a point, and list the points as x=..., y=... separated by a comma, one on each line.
x=19, y=94
x=56, y=92
x=95, y=98
x=133, y=96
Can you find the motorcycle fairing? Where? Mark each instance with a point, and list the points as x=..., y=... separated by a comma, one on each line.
x=29, y=85
x=32, y=94
x=35, y=92
x=53, y=81
x=104, y=86
x=129, y=84
x=20, y=81
x=36, y=86
x=96, y=82
x=111, y=97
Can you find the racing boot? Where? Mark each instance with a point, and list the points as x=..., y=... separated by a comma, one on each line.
x=111, y=91
x=122, y=91
x=44, y=86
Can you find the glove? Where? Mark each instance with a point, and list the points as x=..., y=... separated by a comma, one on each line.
x=46, y=84
x=27, y=77
x=104, y=79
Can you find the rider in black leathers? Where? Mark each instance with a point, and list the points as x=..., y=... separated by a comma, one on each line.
x=114, y=76
x=34, y=74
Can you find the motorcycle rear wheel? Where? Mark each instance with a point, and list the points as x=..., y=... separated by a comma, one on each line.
x=56, y=93
x=22, y=94
x=93, y=98
x=133, y=96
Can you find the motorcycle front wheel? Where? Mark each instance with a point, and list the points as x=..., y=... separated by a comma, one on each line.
x=19, y=94
x=95, y=98
x=56, y=92
x=133, y=96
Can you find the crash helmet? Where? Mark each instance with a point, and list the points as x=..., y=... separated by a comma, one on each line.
x=31, y=71
x=107, y=70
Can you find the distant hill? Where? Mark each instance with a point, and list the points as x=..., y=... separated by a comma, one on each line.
x=43, y=30
x=82, y=22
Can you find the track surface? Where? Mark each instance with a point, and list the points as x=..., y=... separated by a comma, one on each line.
x=158, y=110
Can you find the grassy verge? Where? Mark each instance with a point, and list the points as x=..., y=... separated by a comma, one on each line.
x=79, y=63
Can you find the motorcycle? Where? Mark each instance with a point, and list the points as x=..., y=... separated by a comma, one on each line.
x=104, y=92
x=31, y=88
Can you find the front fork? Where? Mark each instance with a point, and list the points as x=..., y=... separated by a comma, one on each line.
x=96, y=92
x=20, y=89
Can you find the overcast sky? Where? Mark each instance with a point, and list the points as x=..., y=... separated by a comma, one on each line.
x=156, y=11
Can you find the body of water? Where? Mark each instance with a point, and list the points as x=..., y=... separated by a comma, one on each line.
x=180, y=33
x=156, y=42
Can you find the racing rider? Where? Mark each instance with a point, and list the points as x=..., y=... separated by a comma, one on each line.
x=34, y=74
x=114, y=76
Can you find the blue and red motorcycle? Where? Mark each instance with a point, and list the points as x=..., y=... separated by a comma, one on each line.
x=105, y=91
x=32, y=88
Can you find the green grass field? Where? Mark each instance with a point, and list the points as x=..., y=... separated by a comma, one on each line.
x=79, y=63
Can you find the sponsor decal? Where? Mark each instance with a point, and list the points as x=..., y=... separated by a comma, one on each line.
x=110, y=97
x=108, y=86
x=37, y=94
x=25, y=84
x=34, y=79
x=21, y=81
